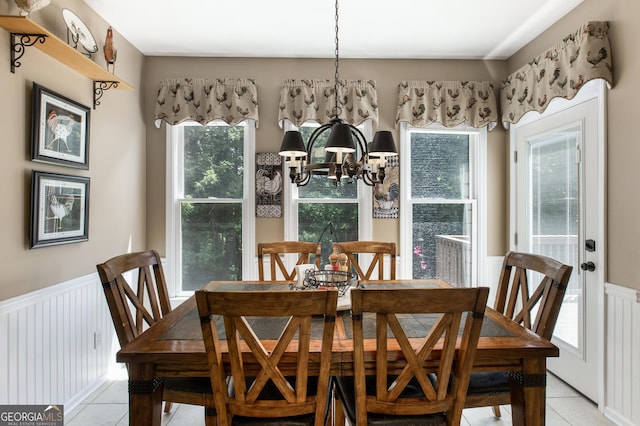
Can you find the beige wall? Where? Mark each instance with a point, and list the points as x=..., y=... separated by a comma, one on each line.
x=268, y=74
x=623, y=151
x=116, y=165
x=127, y=152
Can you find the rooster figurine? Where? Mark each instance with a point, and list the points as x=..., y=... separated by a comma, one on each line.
x=110, y=52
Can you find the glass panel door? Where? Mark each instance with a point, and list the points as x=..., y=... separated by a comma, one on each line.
x=558, y=200
x=554, y=212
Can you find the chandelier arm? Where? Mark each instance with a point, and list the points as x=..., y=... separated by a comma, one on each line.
x=303, y=180
x=367, y=179
x=362, y=142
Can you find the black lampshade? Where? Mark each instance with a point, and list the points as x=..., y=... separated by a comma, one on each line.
x=340, y=139
x=383, y=145
x=292, y=145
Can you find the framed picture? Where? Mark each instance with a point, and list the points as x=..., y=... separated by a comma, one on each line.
x=386, y=196
x=59, y=129
x=268, y=184
x=59, y=209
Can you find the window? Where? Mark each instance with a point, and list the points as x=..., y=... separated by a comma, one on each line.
x=210, y=209
x=439, y=208
x=310, y=208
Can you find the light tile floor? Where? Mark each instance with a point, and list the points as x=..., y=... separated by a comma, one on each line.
x=108, y=406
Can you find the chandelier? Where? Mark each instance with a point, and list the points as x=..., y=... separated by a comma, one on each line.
x=344, y=142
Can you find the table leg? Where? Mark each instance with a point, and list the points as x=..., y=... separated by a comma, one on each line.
x=528, y=393
x=145, y=396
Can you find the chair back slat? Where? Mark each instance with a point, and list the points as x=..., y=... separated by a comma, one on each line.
x=517, y=300
x=379, y=252
x=134, y=281
x=434, y=352
x=240, y=311
x=275, y=252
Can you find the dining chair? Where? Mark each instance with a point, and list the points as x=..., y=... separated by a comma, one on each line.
x=534, y=307
x=268, y=396
x=401, y=392
x=276, y=250
x=136, y=281
x=379, y=252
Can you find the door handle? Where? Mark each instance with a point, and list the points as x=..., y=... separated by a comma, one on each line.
x=588, y=266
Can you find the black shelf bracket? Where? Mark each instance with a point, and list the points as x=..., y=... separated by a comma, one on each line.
x=18, y=44
x=99, y=87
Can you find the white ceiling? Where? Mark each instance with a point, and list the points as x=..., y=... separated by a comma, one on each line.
x=422, y=29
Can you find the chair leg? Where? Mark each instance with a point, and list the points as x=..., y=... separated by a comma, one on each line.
x=496, y=411
x=167, y=406
x=210, y=418
x=338, y=412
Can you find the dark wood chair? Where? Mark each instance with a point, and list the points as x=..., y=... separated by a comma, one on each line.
x=147, y=295
x=534, y=307
x=377, y=249
x=276, y=250
x=268, y=397
x=401, y=392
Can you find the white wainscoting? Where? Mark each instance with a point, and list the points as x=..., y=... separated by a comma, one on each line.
x=56, y=344
x=622, y=374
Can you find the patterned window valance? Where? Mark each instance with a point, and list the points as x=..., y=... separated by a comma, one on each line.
x=314, y=100
x=449, y=103
x=204, y=100
x=560, y=72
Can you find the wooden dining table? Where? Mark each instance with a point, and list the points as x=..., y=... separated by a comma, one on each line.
x=173, y=347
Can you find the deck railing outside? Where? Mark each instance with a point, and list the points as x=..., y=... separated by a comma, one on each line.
x=453, y=259
x=453, y=255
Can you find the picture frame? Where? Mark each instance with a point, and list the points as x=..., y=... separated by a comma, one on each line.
x=59, y=129
x=59, y=209
x=269, y=184
x=386, y=196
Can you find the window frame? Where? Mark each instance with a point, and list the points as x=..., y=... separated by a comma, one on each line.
x=175, y=196
x=291, y=199
x=477, y=191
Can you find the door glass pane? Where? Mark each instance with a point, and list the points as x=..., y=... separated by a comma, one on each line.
x=554, y=201
x=314, y=217
x=211, y=243
x=442, y=242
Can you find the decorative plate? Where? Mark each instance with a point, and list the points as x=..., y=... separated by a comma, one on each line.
x=79, y=31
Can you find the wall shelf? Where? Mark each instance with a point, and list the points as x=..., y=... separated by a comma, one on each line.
x=26, y=33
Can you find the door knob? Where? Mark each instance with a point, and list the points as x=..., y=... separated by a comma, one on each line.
x=588, y=266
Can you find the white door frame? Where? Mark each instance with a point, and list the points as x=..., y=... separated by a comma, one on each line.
x=594, y=89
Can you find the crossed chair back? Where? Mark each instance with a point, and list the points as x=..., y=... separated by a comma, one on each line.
x=296, y=397
x=377, y=249
x=534, y=307
x=276, y=250
x=147, y=296
x=402, y=392
x=515, y=300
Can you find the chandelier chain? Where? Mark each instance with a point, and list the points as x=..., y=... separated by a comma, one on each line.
x=337, y=110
